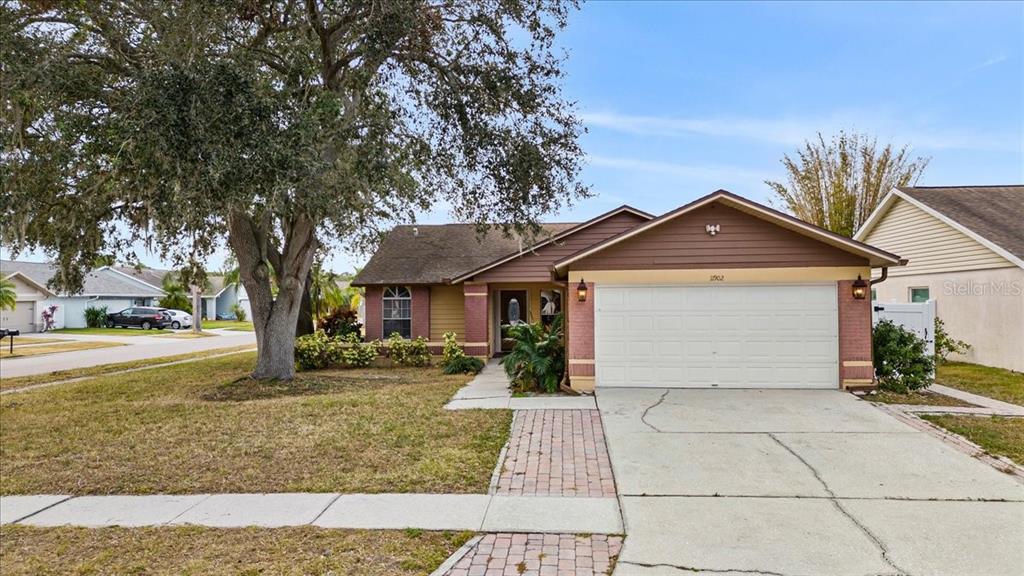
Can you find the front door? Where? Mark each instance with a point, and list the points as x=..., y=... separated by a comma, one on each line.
x=512, y=310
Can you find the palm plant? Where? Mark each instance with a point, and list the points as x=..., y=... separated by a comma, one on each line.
x=175, y=295
x=7, y=295
x=537, y=358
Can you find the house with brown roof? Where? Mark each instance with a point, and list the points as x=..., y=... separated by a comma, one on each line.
x=965, y=246
x=721, y=292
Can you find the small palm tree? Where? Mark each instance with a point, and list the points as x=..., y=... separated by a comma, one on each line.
x=537, y=358
x=7, y=295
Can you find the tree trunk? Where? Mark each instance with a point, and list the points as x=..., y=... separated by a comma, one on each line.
x=274, y=319
x=197, y=311
x=305, y=325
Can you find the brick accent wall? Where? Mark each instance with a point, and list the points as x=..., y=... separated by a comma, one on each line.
x=374, y=309
x=581, y=335
x=855, y=370
x=421, y=312
x=477, y=343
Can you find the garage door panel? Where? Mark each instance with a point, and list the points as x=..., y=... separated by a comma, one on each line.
x=717, y=336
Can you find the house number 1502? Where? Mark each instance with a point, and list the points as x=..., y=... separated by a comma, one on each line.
x=718, y=277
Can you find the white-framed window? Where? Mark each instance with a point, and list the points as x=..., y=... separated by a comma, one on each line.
x=397, y=314
x=919, y=294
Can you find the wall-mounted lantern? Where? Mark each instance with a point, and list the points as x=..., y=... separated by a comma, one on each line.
x=581, y=291
x=860, y=288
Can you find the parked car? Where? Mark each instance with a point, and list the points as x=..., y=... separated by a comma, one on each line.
x=177, y=318
x=227, y=316
x=138, y=316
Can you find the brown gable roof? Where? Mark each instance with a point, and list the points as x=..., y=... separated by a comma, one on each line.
x=433, y=254
x=875, y=256
x=995, y=213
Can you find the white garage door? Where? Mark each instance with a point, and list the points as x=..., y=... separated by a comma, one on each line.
x=700, y=336
x=20, y=318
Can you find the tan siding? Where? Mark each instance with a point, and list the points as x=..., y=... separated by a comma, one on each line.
x=536, y=266
x=928, y=243
x=447, y=312
x=744, y=242
x=25, y=291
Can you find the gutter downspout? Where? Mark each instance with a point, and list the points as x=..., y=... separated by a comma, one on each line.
x=885, y=272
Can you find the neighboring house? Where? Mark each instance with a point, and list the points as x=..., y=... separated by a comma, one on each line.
x=218, y=298
x=105, y=286
x=116, y=287
x=965, y=246
x=721, y=292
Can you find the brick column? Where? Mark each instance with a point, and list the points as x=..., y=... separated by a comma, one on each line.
x=374, y=309
x=580, y=333
x=855, y=368
x=476, y=341
x=421, y=312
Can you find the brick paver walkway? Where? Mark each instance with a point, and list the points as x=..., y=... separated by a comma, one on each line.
x=557, y=453
x=506, y=554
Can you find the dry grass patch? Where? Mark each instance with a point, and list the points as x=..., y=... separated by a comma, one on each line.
x=29, y=340
x=106, y=331
x=54, y=348
x=917, y=399
x=198, y=427
x=1001, y=436
x=241, y=326
x=998, y=383
x=216, y=551
x=60, y=375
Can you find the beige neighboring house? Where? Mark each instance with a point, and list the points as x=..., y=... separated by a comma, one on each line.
x=28, y=297
x=965, y=246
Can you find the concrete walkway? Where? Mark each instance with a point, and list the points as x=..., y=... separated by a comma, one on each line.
x=477, y=512
x=490, y=390
x=790, y=482
x=138, y=348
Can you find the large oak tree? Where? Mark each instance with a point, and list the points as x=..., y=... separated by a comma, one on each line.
x=284, y=126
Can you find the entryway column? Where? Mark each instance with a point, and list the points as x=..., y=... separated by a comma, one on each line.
x=476, y=341
x=580, y=333
x=855, y=367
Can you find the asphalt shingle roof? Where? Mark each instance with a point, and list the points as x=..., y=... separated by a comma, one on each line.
x=98, y=282
x=430, y=254
x=995, y=213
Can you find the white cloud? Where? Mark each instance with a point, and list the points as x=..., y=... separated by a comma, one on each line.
x=793, y=131
x=990, y=62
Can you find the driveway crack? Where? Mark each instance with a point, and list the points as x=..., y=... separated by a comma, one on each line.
x=697, y=570
x=643, y=417
x=882, y=548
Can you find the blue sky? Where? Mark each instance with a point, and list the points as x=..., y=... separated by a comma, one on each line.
x=681, y=99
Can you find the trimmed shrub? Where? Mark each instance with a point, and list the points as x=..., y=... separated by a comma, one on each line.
x=946, y=344
x=96, y=317
x=312, y=351
x=358, y=355
x=340, y=323
x=463, y=365
x=408, y=352
x=902, y=362
x=454, y=359
x=238, y=311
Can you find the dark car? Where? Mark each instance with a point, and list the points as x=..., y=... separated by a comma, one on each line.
x=138, y=316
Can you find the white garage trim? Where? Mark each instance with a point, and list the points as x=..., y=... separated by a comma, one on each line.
x=717, y=336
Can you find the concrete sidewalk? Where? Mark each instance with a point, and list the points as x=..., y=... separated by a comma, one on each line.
x=490, y=391
x=138, y=348
x=477, y=512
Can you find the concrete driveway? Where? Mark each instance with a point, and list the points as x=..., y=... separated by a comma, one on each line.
x=787, y=482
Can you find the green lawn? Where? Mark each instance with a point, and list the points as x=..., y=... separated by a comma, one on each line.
x=1002, y=436
x=997, y=383
x=202, y=427
x=219, y=551
x=245, y=326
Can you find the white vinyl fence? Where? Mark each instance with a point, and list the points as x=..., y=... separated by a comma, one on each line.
x=919, y=318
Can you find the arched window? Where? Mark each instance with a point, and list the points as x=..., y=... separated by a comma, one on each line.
x=397, y=311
